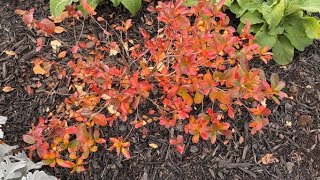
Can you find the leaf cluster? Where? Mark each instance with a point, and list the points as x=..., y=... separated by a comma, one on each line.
x=203, y=60
x=196, y=71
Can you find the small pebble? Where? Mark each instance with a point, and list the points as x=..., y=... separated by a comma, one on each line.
x=281, y=136
x=194, y=149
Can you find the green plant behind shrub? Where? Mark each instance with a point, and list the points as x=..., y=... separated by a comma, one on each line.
x=58, y=6
x=282, y=25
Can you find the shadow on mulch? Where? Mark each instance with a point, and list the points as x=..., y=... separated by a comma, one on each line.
x=292, y=136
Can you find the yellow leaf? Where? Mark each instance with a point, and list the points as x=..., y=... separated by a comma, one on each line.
x=37, y=69
x=198, y=98
x=185, y=96
x=111, y=109
x=153, y=145
x=55, y=44
x=7, y=89
x=10, y=53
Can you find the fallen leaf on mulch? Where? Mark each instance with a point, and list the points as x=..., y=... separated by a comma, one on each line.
x=62, y=54
x=7, y=89
x=268, y=159
x=153, y=145
x=11, y=53
x=41, y=67
x=37, y=69
x=59, y=29
x=305, y=120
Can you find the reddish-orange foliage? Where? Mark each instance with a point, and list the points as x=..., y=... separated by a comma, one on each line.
x=195, y=65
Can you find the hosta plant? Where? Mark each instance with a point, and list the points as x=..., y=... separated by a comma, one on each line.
x=282, y=25
x=88, y=6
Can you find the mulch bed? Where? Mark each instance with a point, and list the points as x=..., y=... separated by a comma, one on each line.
x=292, y=136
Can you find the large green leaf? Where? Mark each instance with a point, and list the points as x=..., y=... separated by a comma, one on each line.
x=236, y=9
x=254, y=17
x=116, y=2
x=274, y=13
x=312, y=27
x=310, y=5
x=57, y=6
x=283, y=50
x=132, y=5
x=294, y=30
x=263, y=38
x=277, y=30
x=250, y=5
x=292, y=8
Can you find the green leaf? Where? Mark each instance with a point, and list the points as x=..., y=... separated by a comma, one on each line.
x=292, y=9
x=273, y=14
x=310, y=5
x=263, y=38
x=295, y=32
x=254, y=17
x=132, y=5
x=277, y=30
x=250, y=5
x=236, y=9
x=253, y=28
x=57, y=6
x=312, y=27
x=228, y=2
x=283, y=51
x=117, y=2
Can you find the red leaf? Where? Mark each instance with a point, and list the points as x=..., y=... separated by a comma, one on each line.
x=39, y=44
x=28, y=16
x=173, y=91
x=100, y=119
x=46, y=25
x=75, y=49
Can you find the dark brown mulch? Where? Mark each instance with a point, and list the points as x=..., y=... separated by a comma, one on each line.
x=292, y=136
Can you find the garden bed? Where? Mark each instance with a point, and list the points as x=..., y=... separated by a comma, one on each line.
x=292, y=135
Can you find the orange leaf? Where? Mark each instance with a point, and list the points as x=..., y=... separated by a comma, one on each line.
x=37, y=69
x=62, y=54
x=100, y=120
x=20, y=12
x=87, y=7
x=198, y=98
x=268, y=159
x=125, y=153
x=59, y=29
x=65, y=163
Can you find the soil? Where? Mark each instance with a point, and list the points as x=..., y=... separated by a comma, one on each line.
x=292, y=136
